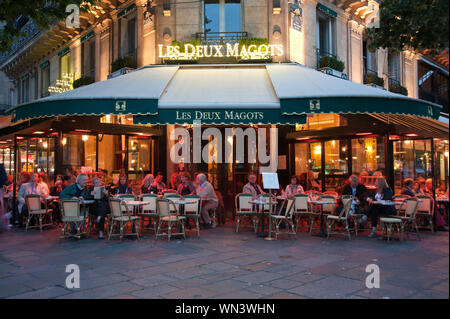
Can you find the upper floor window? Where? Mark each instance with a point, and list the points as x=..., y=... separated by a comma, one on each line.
x=88, y=58
x=127, y=36
x=326, y=43
x=394, y=67
x=25, y=89
x=45, y=80
x=369, y=59
x=222, y=16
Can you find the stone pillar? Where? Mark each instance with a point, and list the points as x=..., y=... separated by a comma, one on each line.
x=98, y=61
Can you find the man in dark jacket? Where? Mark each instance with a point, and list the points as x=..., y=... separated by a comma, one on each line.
x=77, y=190
x=353, y=187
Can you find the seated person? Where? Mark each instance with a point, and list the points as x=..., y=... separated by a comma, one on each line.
x=210, y=201
x=147, y=186
x=43, y=180
x=58, y=187
x=252, y=187
x=100, y=208
x=383, y=192
x=123, y=187
x=408, y=187
x=185, y=187
x=294, y=187
x=355, y=188
x=420, y=186
x=77, y=190
x=158, y=182
x=174, y=181
x=33, y=187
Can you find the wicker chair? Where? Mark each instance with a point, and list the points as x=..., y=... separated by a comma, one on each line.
x=425, y=210
x=72, y=218
x=342, y=218
x=165, y=208
x=327, y=209
x=245, y=209
x=287, y=216
x=409, y=217
x=121, y=218
x=301, y=209
x=193, y=210
x=37, y=213
x=149, y=210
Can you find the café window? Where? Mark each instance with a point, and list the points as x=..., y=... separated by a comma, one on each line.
x=79, y=151
x=45, y=80
x=368, y=156
x=321, y=121
x=325, y=28
x=139, y=152
x=222, y=16
x=88, y=58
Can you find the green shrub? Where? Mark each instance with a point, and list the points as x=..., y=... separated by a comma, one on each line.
x=331, y=62
x=85, y=80
x=397, y=88
x=373, y=78
x=125, y=62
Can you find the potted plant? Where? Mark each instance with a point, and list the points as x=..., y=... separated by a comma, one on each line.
x=373, y=80
x=397, y=88
x=332, y=66
x=84, y=80
x=122, y=66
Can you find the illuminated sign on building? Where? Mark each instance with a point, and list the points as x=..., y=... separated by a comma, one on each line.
x=190, y=51
x=62, y=85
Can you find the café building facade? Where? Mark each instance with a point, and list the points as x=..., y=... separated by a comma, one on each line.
x=144, y=68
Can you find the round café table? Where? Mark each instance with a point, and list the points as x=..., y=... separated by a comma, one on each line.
x=260, y=206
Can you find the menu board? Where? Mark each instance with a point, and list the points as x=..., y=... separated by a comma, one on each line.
x=270, y=181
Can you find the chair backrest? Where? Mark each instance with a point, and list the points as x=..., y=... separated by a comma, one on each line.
x=70, y=208
x=290, y=206
x=301, y=202
x=410, y=205
x=33, y=202
x=117, y=207
x=425, y=204
x=126, y=197
x=169, y=192
x=346, y=198
x=242, y=202
x=328, y=208
x=164, y=206
x=193, y=208
x=151, y=200
x=346, y=209
x=173, y=197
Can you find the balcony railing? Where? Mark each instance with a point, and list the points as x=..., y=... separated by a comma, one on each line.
x=210, y=38
x=321, y=53
x=367, y=72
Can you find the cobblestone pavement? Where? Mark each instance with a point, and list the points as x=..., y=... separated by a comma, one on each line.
x=222, y=264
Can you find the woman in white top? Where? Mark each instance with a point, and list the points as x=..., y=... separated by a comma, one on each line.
x=294, y=187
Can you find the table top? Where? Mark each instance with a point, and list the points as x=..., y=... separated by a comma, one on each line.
x=259, y=202
x=442, y=199
x=52, y=197
x=88, y=201
x=135, y=203
x=184, y=202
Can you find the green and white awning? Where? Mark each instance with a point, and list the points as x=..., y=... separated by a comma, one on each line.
x=224, y=94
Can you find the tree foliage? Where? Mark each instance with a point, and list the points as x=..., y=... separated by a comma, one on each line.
x=412, y=24
x=15, y=13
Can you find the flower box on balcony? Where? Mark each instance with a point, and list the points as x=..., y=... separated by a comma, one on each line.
x=397, y=88
x=334, y=72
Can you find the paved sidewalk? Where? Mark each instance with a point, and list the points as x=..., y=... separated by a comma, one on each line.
x=222, y=264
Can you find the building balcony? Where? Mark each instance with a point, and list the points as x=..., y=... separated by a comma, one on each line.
x=211, y=38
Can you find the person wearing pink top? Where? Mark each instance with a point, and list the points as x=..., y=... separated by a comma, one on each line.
x=209, y=199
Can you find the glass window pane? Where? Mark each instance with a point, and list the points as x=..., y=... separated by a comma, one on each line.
x=233, y=16
x=139, y=153
x=368, y=155
x=336, y=157
x=110, y=152
x=79, y=151
x=212, y=16
x=403, y=162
